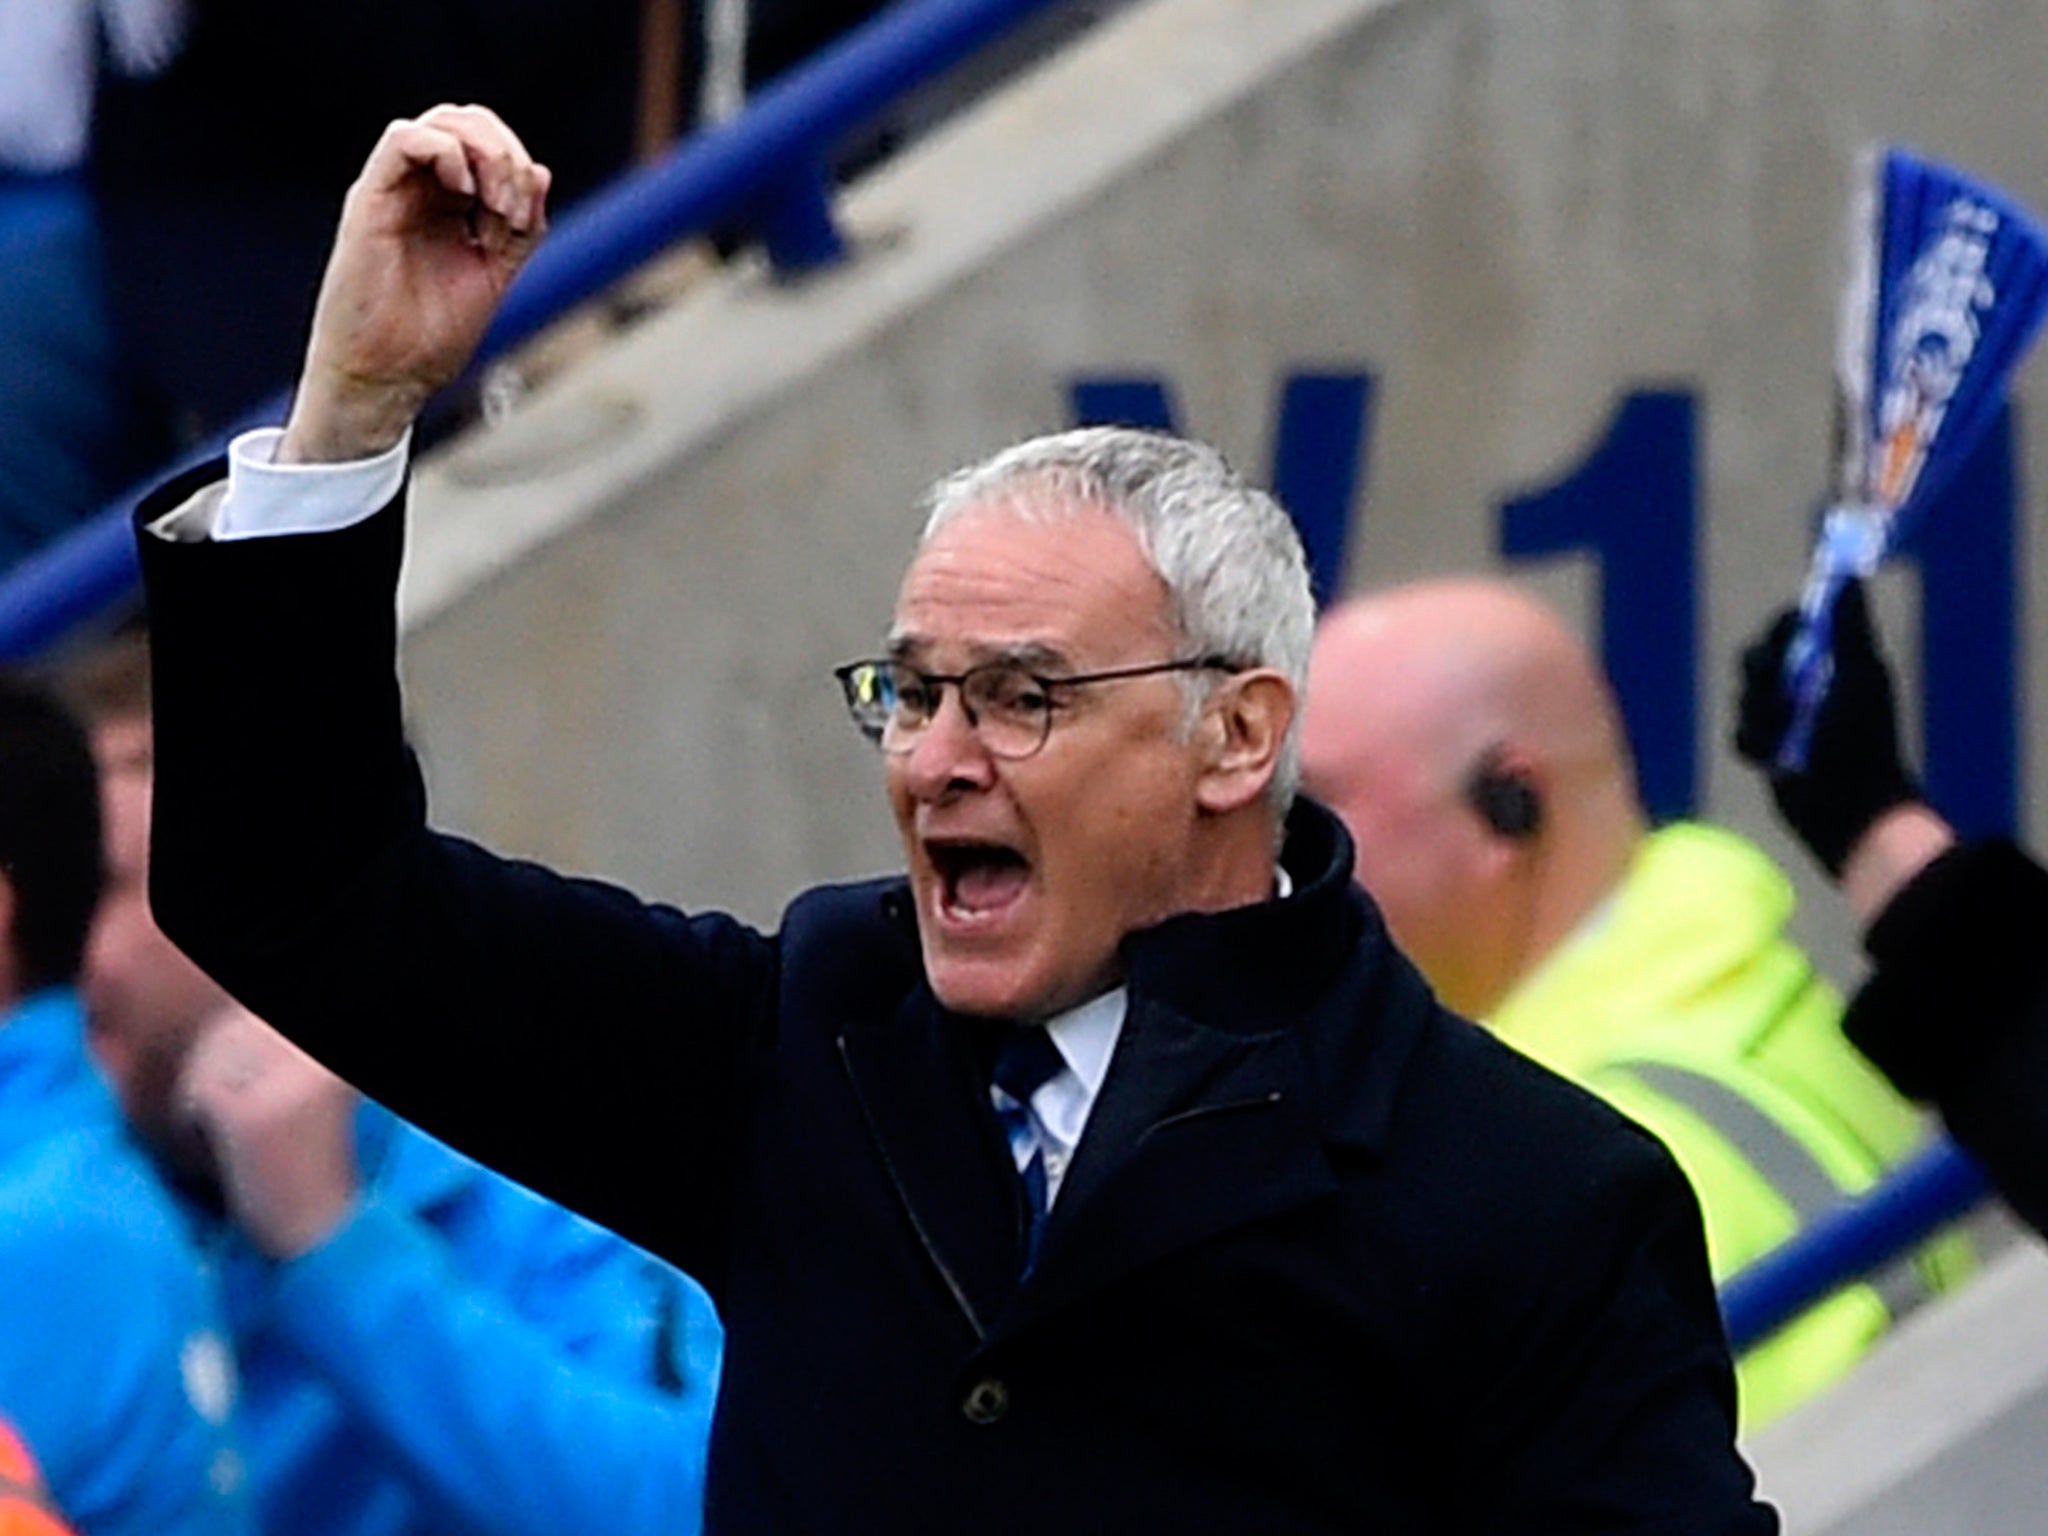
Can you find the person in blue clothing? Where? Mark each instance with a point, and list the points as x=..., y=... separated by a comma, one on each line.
x=113, y=1360
x=426, y=1347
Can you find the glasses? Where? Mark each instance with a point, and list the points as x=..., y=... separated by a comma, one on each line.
x=1010, y=706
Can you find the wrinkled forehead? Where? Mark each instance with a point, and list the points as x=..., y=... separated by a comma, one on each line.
x=1036, y=578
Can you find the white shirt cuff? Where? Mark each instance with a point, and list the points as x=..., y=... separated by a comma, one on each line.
x=263, y=499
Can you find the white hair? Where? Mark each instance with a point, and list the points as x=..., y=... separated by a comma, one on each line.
x=1233, y=566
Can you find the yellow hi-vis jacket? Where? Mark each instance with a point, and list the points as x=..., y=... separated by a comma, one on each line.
x=1681, y=1002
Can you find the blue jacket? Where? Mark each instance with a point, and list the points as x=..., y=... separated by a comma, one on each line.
x=462, y=1356
x=113, y=1362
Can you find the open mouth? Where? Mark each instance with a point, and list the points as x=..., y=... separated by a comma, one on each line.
x=977, y=880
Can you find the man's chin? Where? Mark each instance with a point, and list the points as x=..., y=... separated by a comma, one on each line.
x=981, y=986
x=976, y=1001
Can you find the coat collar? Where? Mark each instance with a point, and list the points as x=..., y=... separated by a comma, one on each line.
x=1317, y=966
x=1238, y=969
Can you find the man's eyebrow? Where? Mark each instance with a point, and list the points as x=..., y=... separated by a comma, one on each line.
x=1032, y=655
x=1036, y=656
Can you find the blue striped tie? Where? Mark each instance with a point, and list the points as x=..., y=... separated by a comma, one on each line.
x=1025, y=1062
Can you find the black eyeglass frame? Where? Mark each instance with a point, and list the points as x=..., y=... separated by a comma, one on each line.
x=937, y=681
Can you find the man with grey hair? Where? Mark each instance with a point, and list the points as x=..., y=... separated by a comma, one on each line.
x=1102, y=1173
x=1236, y=582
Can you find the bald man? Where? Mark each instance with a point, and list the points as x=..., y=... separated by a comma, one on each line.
x=1474, y=749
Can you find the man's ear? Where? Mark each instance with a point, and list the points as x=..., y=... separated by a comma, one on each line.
x=1243, y=726
x=1505, y=791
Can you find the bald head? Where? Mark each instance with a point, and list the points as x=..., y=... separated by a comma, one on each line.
x=1473, y=747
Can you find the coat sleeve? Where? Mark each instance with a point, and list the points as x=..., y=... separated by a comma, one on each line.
x=559, y=1030
x=1956, y=1011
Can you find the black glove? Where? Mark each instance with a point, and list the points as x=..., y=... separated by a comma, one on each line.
x=1853, y=774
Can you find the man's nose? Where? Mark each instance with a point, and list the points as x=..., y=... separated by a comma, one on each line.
x=948, y=754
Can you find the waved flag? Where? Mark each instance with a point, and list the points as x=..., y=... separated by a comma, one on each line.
x=1948, y=286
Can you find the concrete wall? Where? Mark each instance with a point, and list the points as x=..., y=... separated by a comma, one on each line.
x=1509, y=212
x=1939, y=1432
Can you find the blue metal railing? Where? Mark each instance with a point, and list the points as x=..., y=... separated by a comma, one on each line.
x=767, y=169
x=1859, y=1236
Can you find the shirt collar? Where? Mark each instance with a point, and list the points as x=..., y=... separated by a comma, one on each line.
x=1086, y=1035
